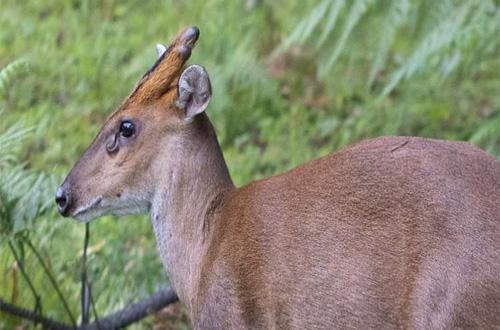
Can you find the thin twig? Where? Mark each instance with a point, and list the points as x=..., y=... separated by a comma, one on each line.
x=85, y=286
x=52, y=280
x=38, y=301
x=94, y=310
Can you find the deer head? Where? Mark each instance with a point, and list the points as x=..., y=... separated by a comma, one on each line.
x=114, y=175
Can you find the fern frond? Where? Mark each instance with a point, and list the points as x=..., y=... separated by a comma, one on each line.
x=11, y=138
x=333, y=14
x=23, y=193
x=487, y=135
x=8, y=72
x=355, y=13
x=397, y=14
x=441, y=36
x=305, y=28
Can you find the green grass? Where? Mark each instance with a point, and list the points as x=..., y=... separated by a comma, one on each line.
x=292, y=81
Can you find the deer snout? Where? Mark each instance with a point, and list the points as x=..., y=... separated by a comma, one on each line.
x=63, y=200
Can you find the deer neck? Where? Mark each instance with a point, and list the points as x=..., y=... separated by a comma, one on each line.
x=187, y=185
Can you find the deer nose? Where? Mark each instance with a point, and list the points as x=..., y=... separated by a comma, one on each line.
x=62, y=201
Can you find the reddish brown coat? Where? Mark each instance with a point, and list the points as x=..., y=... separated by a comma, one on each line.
x=395, y=232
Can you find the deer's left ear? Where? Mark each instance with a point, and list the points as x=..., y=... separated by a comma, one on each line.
x=194, y=91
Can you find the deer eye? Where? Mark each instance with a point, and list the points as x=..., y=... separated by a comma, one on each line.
x=127, y=129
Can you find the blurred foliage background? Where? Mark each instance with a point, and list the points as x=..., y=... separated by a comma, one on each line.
x=293, y=80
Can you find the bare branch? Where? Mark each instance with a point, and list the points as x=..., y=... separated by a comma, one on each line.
x=32, y=316
x=117, y=320
x=134, y=312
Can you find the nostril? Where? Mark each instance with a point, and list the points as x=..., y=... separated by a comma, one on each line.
x=62, y=200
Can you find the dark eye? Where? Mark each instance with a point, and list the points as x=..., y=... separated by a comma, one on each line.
x=127, y=129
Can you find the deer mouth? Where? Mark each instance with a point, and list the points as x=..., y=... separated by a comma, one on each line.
x=103, y=206
x=89, y=211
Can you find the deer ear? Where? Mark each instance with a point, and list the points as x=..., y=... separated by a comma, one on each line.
x=194, y=91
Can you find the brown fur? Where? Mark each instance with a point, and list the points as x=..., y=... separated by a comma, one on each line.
x=395, y=232
x=373, y=236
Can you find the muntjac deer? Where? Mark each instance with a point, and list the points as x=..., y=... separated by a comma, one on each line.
x=395, y=232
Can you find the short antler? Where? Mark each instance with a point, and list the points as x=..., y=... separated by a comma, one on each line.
x=164, y=73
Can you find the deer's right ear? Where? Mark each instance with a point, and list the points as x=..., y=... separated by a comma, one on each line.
x=194, y=91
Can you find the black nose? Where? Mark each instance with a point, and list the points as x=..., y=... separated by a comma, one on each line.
x=62, y=201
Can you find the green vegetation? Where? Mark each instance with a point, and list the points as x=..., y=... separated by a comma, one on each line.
x=292, y=80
